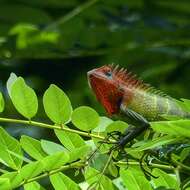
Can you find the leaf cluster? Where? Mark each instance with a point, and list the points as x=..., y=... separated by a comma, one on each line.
x=163, y=151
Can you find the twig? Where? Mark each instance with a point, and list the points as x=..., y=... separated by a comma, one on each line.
x=77, y=164
x=58, y=127
x=71, y=14
x=161, y=166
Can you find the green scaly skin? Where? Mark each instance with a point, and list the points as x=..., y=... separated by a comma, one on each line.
x=120, y=92
x=153, y=106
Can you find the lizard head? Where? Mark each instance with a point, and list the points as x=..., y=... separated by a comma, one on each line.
x=105, y=84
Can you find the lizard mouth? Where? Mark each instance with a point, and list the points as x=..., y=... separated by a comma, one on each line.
x=92, y=74
x=92, y=77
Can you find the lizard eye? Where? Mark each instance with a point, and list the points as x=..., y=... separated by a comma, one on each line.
x=108, y=74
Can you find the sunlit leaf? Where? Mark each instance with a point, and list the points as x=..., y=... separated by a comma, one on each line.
x=51, y=147
x=5, y=184
x=119, y=183
x=55, y=161
x=7, y=142
x=79, y=153
x=32, y=186
x=103, y=124
x=31, y=170
x=14, y=177
x=57, y=105
x=134, y=179
x=85, y=118
x=92, y=176
x=176, y=128
x=186, y=103
x=164, y=179
x=184, y=153
x=24, y=98
x=157, y=142
x=12, y=78
x=69, y=140
x=117, y=126
x=29, y=35
x=98, y=161
x=60, y=180
x=32, y=147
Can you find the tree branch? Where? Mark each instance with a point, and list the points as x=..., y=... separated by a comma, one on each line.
x=58, y=127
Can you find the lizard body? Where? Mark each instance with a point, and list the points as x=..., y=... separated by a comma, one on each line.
x=119, y=91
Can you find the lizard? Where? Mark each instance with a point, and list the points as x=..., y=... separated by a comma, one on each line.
x=120, y=92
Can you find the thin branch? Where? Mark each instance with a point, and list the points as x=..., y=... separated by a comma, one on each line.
x=161, y=166
x=77, y=164
x=71, y=14
x=177, y=174
x=179, y=164
x=58, y=127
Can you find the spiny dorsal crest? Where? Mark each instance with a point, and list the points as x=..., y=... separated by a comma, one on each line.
x=131, y=81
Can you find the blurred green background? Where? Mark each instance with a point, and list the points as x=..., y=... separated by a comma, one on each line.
x=58, y=41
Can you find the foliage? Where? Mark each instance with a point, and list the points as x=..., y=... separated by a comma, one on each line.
x=150, y=38
x=85, y=26
x=57, y=41
x=25, y=162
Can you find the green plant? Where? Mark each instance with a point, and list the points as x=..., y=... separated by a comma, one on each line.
x=50, y=159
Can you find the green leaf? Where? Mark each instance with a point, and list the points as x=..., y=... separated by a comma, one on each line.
x=10, y=82
x=21, y=157
x=22, y=29
x=117, y=126
x=51, y=147
x=29, y=35
x=60, y=180
x=55, y=161
x=5, y=184
x=119, y=183
x=155, y=142
x=186, y=104
x=164, y=179
x=103, y=124
x=176, y=128
x=69, y=140
x=31, y=170
x=85, y=118
x=9, y=143
x=32, y=186
x=57, y=105
x=184, y=153
x=99, y=161
x=14, y=177
x=92, y=176
x=134, y=179
x=113, y=170
x=24, y=98
x=2, y=103
x=80, y=152
x=32, y=147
